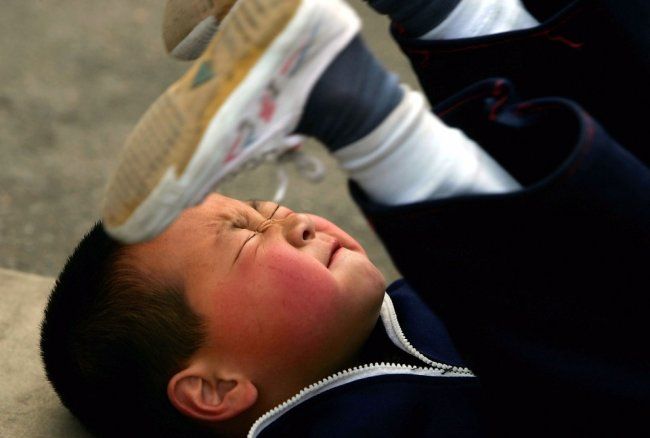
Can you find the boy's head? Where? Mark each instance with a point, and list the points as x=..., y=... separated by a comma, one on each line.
x=233, y=309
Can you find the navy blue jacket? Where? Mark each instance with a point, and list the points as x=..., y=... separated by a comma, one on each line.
x=541, y=291
x=394, y=393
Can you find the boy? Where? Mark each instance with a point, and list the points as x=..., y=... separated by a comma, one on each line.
x=268, y=301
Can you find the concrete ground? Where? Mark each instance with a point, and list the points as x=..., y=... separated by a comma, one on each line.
x=75, y=77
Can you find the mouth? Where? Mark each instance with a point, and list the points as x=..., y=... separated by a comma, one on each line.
x=334, y=248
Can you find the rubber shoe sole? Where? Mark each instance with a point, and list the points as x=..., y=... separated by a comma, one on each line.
x=235, y=105
x=189, y=25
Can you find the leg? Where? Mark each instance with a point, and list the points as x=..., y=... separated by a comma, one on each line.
x=544, y=286
x=589, y=51
x=299, y=69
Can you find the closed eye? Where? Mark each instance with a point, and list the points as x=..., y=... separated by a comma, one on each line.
x=241, y=248
x=243, y=222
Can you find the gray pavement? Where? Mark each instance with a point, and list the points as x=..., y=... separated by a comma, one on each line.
x=75, y=77
x=29, y=408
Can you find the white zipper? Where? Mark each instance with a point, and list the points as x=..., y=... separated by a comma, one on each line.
x=343, y=378
x=396, y=334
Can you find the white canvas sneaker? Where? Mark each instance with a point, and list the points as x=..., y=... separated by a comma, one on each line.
x=235, y=107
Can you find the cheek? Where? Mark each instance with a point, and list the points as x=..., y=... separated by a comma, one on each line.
x=285, y=305
x=298, y=285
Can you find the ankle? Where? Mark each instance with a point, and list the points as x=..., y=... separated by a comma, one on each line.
x=352, y=97
x=413, y=156
x=415, y=17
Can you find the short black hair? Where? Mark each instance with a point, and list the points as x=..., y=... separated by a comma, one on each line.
x=111, y=339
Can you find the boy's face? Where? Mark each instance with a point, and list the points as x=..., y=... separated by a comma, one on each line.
x=282, y=293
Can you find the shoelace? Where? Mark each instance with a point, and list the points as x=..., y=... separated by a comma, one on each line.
x=308, y=166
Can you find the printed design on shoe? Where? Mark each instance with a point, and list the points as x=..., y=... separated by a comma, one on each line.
x=245, y=135
x=295, y=61
x=203, y=75
x=267, y=103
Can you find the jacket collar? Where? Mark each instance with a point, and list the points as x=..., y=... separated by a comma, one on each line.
x=428, y=366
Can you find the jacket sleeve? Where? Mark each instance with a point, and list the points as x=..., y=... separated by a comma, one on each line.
x=594, y=52
x=547, y=285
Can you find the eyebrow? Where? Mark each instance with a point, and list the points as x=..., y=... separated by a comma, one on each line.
x=254, y=203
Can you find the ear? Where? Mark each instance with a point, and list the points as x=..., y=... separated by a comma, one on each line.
x=199, y=394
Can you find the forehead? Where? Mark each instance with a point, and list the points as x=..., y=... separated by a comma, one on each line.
x=214, y=212
x=196, y=227
x=219, y=207
x=223, y=207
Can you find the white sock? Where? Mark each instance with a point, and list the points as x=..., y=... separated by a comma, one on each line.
x=472, y=18
x=413, y=156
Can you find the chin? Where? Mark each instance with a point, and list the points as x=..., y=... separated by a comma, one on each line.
x=374, y=284
x=366, y=271
x=376, y=276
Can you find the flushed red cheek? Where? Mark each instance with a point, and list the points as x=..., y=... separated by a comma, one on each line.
x=285, y=312
x=304, y=288
x=284, y=301
x=301, y=283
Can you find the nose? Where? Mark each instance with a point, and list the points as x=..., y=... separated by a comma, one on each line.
x=298, y=229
